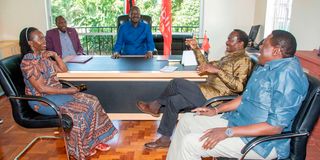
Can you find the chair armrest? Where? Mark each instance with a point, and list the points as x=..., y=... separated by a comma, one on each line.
x=219, y=98
x=40, y=99
x=65, y=120
x=69, y=84
x=261, y=139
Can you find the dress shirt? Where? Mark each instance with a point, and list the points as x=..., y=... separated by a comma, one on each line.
x=235, y=69
x=134, y=40
x=274, y=94
x=66, y=44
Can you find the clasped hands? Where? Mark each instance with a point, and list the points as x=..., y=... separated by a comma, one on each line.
x=204, y=68
x=207, y=68
x=212, y=136
x=148, y=55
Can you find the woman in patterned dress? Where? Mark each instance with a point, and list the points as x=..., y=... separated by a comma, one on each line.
x=92, y=128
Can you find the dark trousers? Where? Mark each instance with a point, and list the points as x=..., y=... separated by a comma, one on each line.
x=179, y=95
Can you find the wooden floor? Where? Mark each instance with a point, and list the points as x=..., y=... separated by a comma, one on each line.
x=127, y=145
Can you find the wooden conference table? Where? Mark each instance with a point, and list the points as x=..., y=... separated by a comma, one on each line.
x=120, y=83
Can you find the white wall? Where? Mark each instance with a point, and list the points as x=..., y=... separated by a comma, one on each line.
x=221, y=17
x=18, y=14
x=260, y=17
x=305, y=23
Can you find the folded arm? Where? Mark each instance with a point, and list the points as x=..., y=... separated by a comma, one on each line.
x=59, y=65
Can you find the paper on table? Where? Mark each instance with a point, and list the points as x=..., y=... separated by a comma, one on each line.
x=79, y=59
x=168, y=69
x=188, y=58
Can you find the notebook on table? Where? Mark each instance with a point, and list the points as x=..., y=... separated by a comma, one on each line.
x=79, y=59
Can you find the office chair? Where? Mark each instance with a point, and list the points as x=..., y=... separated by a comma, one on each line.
x=124, y=18
x=145, y=18
x=13, y=85
x=302, y=126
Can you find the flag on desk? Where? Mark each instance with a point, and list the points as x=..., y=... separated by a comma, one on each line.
x=128, y=4
x=166, y=26
x=205, y=43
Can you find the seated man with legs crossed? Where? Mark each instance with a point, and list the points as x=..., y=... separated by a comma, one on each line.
x=268, y=105
x=225, y=77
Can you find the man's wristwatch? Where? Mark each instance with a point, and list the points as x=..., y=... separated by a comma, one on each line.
x=229, y=132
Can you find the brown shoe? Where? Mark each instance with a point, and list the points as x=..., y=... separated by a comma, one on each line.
x=149, y=108
x=162, y=142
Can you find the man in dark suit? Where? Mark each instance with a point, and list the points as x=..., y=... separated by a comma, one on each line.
x=63, y=40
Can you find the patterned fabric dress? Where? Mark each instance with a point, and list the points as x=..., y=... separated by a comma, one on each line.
x=91, y=125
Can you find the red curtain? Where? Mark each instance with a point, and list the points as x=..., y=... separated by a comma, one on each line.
x=166, y=26
x=128, y=5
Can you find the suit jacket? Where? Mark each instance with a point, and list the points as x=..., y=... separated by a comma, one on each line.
x=53, y=40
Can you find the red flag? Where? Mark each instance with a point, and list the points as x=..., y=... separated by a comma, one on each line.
x=166, y=26
x=205, y=43
x=128, y=5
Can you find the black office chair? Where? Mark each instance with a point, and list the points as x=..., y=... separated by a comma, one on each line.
x=302, y=126
x=145, y=18
x=124, y=18
x=13, y=85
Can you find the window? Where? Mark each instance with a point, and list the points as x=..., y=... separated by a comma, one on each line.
x=102, y=13
x=278, y=15
x=95, y=20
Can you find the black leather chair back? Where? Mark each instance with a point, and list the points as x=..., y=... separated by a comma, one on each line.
x=306, y=119
x=178, y=44
x=124, y=18
x=13, y=85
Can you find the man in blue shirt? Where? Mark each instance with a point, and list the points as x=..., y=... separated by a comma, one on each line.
x=134, y=37
x=272, y=98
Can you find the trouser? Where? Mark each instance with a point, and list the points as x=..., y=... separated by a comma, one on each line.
x=185, y=144
x=179, y=95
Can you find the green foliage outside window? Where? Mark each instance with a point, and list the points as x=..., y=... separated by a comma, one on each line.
x=100, y=16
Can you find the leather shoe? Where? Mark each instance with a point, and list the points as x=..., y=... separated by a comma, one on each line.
x=149, y=108
x=159, y=143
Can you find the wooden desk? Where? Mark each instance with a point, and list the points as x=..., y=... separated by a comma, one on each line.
x=120, y=83
x=310, y=62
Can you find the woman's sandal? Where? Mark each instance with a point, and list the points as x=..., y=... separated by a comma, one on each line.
x=93, y=152
x=103, y=147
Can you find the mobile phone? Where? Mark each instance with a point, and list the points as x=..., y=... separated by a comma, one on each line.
x=82, y=87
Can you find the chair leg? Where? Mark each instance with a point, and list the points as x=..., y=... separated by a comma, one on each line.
x=65, y=139
x=40, y=138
